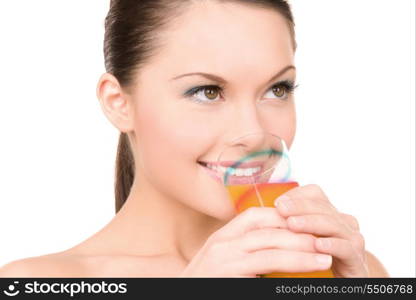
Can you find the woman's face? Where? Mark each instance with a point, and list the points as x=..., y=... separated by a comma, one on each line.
x=173, y=130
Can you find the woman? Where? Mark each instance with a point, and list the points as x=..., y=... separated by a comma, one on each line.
x=172, y=120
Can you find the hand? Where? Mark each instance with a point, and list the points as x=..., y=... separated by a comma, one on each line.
x=308, y=210
x=256, y=241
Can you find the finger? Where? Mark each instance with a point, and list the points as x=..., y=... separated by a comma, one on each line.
x=267, y=238
x=251, y=219
x=351, y=257
x=320, y=225
x=350, y=221
x=300, y=201
x=312, y=191
x=280, y=260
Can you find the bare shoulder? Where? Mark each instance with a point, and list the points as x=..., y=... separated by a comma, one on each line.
x=49, y=265
x=375, y=267
x=68, y=264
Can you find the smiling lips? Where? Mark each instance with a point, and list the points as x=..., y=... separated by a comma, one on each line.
x=243, y=174
x=226, y=164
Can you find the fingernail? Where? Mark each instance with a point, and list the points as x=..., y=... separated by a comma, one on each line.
x=324, y=243
x=323, y=259
x=284, y=201
x=297, y=222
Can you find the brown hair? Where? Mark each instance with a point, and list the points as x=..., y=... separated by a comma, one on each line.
x=130, y=40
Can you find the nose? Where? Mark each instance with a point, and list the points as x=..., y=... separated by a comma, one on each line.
x=248, y=135
x=250, y=142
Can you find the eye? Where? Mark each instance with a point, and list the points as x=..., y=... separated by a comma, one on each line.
x=201, y=93
x=209, y=93
x=282, y=89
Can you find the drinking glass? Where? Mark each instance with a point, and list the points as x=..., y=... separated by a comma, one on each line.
x=255, y=169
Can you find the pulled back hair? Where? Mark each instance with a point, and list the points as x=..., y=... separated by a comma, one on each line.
x=132, y=36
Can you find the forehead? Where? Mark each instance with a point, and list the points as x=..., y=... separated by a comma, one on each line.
x=212, y=35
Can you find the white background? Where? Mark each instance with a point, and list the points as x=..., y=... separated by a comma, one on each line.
x=355, y=137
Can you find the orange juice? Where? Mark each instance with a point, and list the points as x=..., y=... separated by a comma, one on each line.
x=245, y=196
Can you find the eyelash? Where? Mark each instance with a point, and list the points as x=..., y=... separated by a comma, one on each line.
x=288, y=85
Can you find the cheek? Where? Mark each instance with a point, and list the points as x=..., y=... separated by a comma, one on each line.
x=282, y=123
x=169, y=146
x=166, y=143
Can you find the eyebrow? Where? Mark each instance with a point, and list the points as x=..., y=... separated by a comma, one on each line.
x=223, y=81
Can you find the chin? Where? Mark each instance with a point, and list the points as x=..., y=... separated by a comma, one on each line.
x=209, y=196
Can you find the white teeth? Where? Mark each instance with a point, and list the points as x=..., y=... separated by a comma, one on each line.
x=249, y=172
x=240, y=172
x=233, y=171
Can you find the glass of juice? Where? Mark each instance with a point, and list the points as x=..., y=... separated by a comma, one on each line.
x=255, y=169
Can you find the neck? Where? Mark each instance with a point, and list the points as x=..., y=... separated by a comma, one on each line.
x=153, y=224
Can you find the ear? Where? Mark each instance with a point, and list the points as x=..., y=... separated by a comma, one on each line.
x=115, y=104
